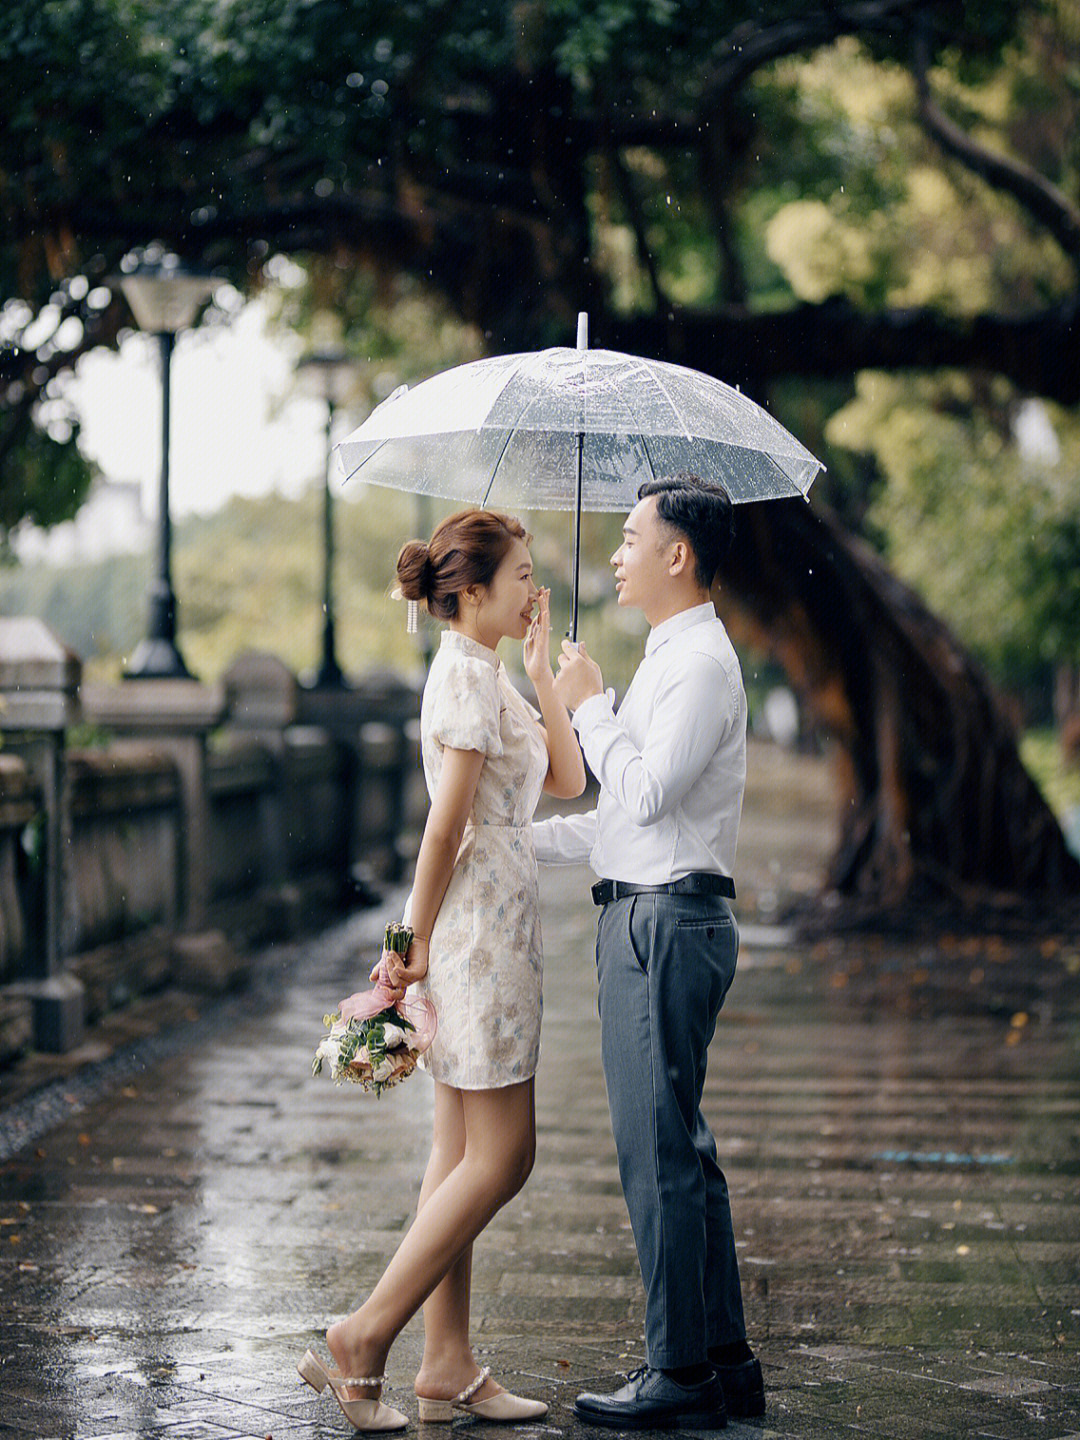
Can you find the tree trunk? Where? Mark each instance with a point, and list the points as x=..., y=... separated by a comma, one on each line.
x=934, y=799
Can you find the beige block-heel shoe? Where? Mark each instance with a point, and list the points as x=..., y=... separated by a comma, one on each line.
x=501, y=1409
x=361, y=1414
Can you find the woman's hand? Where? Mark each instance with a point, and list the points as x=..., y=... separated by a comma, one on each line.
x=537, y=656
x=404, y=970
x=379, y=976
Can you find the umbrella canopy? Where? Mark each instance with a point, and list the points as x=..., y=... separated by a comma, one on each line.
x=577, y=430
x=504, y=432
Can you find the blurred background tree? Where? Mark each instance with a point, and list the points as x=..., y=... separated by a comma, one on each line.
x=866, y=214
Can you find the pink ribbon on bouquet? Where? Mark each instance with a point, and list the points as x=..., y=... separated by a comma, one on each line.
x=417, y=1009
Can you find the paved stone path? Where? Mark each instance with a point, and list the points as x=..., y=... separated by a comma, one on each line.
x=902, y=1139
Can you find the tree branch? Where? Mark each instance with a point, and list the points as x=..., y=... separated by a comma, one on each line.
x=1038, y=352
x=1035, y=193
x=625, y=182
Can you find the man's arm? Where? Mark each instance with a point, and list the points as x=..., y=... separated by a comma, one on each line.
x=692, y=712
x=565, y=839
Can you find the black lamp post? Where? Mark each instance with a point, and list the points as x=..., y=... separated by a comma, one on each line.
x=165, y=297
x=329, y=373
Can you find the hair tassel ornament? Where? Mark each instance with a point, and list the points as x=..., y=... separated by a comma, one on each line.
x=412, y=617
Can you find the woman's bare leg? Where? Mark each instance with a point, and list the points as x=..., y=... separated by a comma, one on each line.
x=500, y=1142
x=446, y=1311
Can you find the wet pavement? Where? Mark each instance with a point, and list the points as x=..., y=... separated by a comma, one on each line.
x=900, y=1127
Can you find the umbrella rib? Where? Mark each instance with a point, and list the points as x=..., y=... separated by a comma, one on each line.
x=511, y=429
x=648, y=456
x=495, y=470
x=370, y=456
x=667, y=396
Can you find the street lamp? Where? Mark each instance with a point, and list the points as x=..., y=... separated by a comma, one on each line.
x=330, y=374
x=165, y=297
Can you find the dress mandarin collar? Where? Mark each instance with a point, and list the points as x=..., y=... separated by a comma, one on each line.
x=454, y=640
x=675, y=624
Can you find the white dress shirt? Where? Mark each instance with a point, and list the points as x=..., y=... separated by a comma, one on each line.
x=671, y=763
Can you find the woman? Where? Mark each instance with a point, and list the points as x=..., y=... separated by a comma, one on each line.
x=476, y=951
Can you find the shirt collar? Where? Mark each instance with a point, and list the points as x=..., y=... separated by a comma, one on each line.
x=454, y=640
x=675, y=624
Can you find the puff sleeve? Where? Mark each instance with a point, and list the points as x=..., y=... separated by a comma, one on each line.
x=466, y=706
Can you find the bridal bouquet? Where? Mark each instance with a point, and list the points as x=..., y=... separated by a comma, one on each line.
x=372, y=1039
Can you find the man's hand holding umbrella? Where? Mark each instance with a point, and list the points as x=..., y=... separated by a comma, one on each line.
x=579, y=676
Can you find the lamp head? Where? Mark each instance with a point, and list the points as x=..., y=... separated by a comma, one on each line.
x=164, y=294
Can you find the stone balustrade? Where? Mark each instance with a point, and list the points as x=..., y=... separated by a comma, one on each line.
x=202, y=819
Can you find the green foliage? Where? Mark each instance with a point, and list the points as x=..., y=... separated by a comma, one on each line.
x=49, y=484
x=255, y=133
x=886, y=223
x=98, y=610
x=989, y=534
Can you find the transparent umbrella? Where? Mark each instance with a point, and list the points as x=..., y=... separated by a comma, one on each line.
x=573, y=429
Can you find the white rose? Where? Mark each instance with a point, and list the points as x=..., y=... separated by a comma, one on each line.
x=384, y=1069
x=329, y=1050
x=393, y=1035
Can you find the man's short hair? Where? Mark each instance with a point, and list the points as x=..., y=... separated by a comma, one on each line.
x=702, y=515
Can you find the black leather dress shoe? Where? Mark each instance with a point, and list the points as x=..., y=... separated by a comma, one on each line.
x=743, y=1387
x=651, y=1401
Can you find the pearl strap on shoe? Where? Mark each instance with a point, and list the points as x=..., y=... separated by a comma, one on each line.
x=374, y=1380
x=471, y=1389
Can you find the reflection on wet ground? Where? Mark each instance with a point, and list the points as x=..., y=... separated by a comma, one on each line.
x=901, y=1127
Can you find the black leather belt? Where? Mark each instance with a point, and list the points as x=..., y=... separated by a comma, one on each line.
x=697, y=883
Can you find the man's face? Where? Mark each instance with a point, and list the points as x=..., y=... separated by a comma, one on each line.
x=642, y=562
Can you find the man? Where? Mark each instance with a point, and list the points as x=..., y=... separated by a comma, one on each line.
x=672, y=766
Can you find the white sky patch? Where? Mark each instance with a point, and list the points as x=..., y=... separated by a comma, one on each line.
x=238, y=424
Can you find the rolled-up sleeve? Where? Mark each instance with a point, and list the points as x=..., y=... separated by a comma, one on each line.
x=695, y=707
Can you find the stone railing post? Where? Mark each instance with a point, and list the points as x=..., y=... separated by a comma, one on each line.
x=262, y=692
x=174, y=717
x=39, y=700
x=374, y=720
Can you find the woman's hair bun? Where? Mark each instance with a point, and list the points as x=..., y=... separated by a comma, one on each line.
x=465, y=549
x=414, y=570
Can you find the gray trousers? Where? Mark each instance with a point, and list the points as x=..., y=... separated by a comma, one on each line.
x=665, y=963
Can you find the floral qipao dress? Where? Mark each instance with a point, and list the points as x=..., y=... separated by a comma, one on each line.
x=486, y=960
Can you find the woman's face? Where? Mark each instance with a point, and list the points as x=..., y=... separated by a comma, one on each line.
x=506, y=605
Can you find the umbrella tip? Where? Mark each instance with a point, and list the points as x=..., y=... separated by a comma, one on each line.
x=582, y=330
